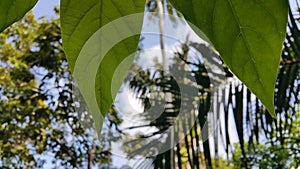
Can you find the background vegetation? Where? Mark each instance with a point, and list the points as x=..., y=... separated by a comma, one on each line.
x=39, y=123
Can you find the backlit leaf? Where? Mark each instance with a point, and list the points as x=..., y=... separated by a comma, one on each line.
x=248, y=35
x=89, y=36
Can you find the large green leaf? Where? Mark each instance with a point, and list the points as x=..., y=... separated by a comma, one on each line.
x=13, y=10
x=248, y=34
x=97, y=38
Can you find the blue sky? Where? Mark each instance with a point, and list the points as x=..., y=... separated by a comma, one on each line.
x=45, y=8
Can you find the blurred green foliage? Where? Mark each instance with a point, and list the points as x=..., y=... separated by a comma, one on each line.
x=38, y=122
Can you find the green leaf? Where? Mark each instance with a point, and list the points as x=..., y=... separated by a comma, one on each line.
x=13, y=10
x=248, y=34
x=95, y=43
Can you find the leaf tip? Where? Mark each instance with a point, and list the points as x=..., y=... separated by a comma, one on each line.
x=271, y=111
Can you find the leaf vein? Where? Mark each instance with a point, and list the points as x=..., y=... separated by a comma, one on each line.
x=81, y=18
x=245, y=42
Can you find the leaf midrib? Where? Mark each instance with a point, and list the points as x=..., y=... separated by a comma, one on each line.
x=245, y=42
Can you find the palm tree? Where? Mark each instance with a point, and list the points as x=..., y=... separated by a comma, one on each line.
x=243, y=131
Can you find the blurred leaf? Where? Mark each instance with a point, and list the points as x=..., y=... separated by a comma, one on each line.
x=80, y=20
